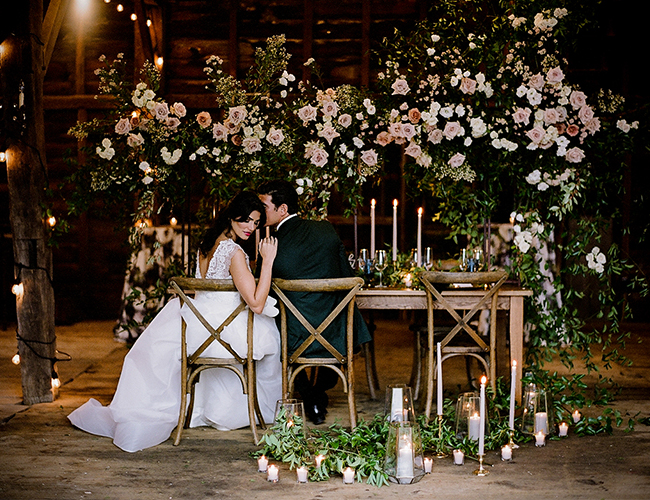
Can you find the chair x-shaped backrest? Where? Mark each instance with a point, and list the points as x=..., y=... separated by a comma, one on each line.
x=495, y=278
x=353, y=285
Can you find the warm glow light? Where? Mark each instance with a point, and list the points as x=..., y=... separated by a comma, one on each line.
x=51, y=221
x=133, y=17
x=56, y=383
x=514, y=362
x=134, y=114
x=3, y=156
x=483, y=380
x=120, y=7
x=107, y=1
x=420, y=210
x=83, y=7
x=143, y=223
x=17, y=289
x=159, y=61
x=16, y=359
x=149, y=22
x=394, y=203
x=173, y=221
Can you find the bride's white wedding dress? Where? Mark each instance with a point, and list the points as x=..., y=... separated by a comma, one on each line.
x=145, y=408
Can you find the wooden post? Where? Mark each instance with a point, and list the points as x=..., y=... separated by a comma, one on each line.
x=22, y=70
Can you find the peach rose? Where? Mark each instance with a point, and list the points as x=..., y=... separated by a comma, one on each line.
x=384, y=138
x=219, y=132
x=413, y=150
x=573, y=130
x=414, y=115
x=204, y=119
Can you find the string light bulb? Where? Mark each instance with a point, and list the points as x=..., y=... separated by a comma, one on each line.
x=107, y=1
x=56, y=382
x=17, y=289
x=159, y=61
x=120, y=7
x=51, y=221
x=134, y=17
x=173, y=221
x=16, y=359
x=149, y=23
x=3, y=156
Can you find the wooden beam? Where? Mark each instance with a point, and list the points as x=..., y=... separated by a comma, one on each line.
x=143, y=37
x=365, y=43
x=56, y=11
x=233, y=40
x=307, y=37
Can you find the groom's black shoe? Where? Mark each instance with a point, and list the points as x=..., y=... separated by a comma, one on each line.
x=316, y=414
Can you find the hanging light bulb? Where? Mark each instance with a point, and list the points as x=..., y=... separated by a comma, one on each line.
x=120, y=7
x=149, y=23
x=159, y=61
x=16, y=359
x=133, y=17
x=17, y=289
x=173, y=221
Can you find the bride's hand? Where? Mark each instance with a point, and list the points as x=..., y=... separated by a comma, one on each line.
x=268, y=248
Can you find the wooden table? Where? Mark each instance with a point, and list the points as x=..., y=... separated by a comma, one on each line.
x=509, y=299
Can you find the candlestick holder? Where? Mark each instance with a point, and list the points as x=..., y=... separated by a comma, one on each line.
x=440, y=451
x=511, y=443
x=481, y=471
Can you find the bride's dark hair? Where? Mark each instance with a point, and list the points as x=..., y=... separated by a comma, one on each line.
x=239, y=209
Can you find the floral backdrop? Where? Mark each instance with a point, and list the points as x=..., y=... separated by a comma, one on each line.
x=479, y=104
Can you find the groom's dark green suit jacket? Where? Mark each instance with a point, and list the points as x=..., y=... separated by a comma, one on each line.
x=309, y=249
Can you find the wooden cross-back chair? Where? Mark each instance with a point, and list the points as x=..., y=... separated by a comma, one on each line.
x=341, y=363
x=491, y=281
x=192, y=364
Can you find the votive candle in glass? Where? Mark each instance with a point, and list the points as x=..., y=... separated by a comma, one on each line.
x=428, y=465
x=273, y=473
x=506, y=453
x=262, y=463
x=576, y=416
x=302, y=474
x=540, y=439
x=563, y=429
x=348, y=475
x=459, y=457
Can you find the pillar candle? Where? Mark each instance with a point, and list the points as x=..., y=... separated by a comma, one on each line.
x=513, y=379
x=273, y=473
x=459, y=457
x=439, y=375
x=396, y=405
x=348, y=476
x=481, y=432
x=405, y=460
x=419, y=240
x=506, y=453
x=474, y=426
x=262, y=463
x=540, y=422
x=564, y=429
x=394, y=230
x=372, y=228
x=428, y=465
x=302, y=474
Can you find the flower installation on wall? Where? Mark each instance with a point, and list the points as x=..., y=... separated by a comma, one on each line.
x=480, y=106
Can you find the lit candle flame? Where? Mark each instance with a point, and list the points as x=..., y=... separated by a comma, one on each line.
x=483, y=380
x=395, y=203
x=16, y=359
x=373, y=203
x=420, y=210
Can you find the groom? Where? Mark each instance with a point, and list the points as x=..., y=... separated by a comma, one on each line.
x=309, y=249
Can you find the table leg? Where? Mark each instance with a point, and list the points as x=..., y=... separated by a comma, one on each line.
x=430, y=354
x=517, y=338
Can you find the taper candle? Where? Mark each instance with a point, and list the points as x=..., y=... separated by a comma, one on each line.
x=513, y=379
x=394, y=230
x=439, y=376
x=481, y=431
x=372, y=228
x=419, y=240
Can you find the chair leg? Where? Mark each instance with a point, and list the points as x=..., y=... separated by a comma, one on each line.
x=416, y=371
x=181, y=417
x=369, y=355
x=351, y=401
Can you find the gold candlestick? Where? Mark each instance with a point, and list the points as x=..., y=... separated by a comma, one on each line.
x=481, y=471
x=440, y=453
x=511, y=443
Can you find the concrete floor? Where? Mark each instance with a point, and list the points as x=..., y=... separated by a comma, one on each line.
x=44, y=457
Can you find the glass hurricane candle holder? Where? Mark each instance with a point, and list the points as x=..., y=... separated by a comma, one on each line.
x=467, y=415
x=290, y=413
x=404, y=462
x=537, y=413
x=399, y=404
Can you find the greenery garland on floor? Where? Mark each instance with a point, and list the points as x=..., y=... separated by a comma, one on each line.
x=363, y=448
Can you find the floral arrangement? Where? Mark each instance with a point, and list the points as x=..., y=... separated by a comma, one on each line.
x=479, y=104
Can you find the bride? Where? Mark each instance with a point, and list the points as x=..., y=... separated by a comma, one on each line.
x=146, y=405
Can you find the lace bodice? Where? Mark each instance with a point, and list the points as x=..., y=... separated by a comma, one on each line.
x=219, y=267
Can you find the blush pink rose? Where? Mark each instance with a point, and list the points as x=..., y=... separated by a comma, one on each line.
x=395, y=129
x=577, y=99
x=123, y=126
x=551, y=116
x=467, y=86
x=172, y=122
x=237, y=114
x=369, y=157
x=435, y=136
x=307, y=113
x=413, y=150
x=593, y=125
x=319, y=157
x=585, y=114
x=275, y=136
x=408, y=130
x=345, y=120
x=252, y=145
x=536, y=81
x=328, y=133
x=400, y=87
x=204, y=119
x=330, y=108
x=219, y=132
x=575, y=155
x=451, y=130
x=161, y=111
x=522, y=115
x=179, y=109
x=536, y=134
x=554, y=75
x=457, y=160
